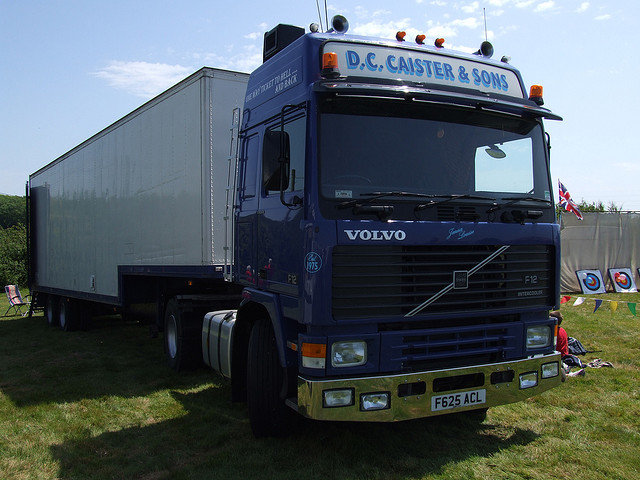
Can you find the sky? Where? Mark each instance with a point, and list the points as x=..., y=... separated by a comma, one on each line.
x=69, y=68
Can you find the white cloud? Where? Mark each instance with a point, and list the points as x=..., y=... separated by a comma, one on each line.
x=603, y=17
x=263, y=27
x=142, y=79
x=544, y=6
x=583, y=7
x=470, y=22
x=381, y=12
x=472, y=7
x=524, y=3
x=384, y=30
x=248, y=61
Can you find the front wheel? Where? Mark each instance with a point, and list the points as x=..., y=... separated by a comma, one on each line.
x=266, y=387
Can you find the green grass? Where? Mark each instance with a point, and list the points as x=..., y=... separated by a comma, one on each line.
x=101, y=404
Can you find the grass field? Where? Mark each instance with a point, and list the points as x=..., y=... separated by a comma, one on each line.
x=101, y=404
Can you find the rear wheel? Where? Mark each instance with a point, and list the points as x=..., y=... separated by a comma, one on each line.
x=68, y=314
x=51, y=311
x=266, y=384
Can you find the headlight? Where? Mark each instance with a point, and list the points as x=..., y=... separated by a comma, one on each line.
x=337, y=398
x=528, y=380
x=349, y=354
x=375, y=401
x=539, y=336
x=550, y=370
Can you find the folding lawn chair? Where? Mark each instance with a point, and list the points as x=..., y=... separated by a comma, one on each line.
x=15, y=301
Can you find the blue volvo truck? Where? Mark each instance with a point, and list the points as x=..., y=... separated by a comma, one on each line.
x=374, y=241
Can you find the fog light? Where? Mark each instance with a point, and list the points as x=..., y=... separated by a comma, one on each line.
x=348, y=354
x=375, y=401
x=539, y=336
x=550, y=370
x=337, y=398
x=528, y=380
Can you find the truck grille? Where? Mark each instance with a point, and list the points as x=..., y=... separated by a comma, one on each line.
x=391, y=281
x=451, y=346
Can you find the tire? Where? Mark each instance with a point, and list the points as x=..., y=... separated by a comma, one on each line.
x=268, y=414
x=68, y=314
x=51, y=311
x=182, y=337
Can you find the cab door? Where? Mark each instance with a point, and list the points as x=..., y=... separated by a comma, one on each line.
x=279, y=239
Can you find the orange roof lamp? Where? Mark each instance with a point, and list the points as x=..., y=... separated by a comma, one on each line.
x=535, y=94
x=330, y=65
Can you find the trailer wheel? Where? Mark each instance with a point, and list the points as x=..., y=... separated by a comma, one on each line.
x=182, y=337
x=268, y=414
x=51, y=311
x=68, y=314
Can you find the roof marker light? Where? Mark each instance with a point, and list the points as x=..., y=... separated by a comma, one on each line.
x=439, y=42
x=420, y=39
x=400, y=36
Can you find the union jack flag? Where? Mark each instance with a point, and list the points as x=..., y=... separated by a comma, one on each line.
x=565, y=200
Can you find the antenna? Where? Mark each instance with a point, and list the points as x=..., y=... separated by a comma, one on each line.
x=319, y=15
x=484, y=13
x=326, y=14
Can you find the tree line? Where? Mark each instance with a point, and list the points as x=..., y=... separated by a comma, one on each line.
x=13, y=241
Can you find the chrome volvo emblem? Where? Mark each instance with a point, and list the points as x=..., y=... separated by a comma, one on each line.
x=460, y=279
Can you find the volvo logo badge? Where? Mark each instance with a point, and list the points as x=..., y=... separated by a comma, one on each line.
x=460, y=279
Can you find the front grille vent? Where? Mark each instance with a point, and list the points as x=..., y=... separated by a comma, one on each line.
x=390, y=281
x=451, y=213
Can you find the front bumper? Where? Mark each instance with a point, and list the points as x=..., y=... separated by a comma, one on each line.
x=410, y=395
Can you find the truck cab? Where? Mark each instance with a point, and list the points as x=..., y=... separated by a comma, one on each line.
x=394, y=233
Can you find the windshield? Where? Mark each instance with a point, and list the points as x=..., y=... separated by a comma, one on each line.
x=369, y=147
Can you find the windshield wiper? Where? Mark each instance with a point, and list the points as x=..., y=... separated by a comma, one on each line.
x=448, y=198
x=516, y=200
x=359, y=202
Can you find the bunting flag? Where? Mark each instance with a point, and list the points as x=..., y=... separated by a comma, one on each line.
x=565, y=299
x=565, y=200
x=598, y=303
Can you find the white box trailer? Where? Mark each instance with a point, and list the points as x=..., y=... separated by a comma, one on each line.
x=145, y=196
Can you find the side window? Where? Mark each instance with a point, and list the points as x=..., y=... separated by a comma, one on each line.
x=248, y=163
x=286, y=152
